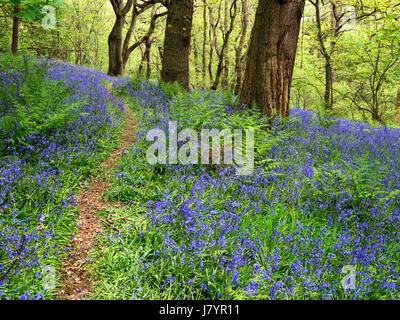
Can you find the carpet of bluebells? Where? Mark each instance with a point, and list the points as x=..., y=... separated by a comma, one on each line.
x=319, y=218
x=43, y=168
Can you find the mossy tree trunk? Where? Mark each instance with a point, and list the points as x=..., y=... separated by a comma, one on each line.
x=271, y=56
x=175, y=62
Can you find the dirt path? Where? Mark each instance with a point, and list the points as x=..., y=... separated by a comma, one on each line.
x=76, y=283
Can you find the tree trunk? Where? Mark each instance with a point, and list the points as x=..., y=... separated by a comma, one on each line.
x=325, y=54
x=15, y=32
x=115, y=65
x=224, y=78
x=222, y=54
x=397, y=107
x=271, y=56
x=204, y=41
x=149, y=42
x=213, y=38
x=238, y=67
x=328, y=85
x=175, y=64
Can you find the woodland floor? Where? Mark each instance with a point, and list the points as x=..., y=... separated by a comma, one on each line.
x=76, y=281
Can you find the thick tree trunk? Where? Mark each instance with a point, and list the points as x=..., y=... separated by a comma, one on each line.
x=15, y=32
x=115, y=65
x=175, y=64
x=271, y=56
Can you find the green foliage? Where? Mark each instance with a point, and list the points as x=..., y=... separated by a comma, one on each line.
x=31, y=10
x=37, y=108
x=171, y=89
x=324, y=116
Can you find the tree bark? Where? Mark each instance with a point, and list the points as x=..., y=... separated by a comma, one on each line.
x=149, y=42
x=204, y=41
x=238, y=66
x=397, y=107
x=119, y=50
x=15, y=32
x=213, y=38
x=224, y=78
x=222, y=54
x=175, y=64
x=127, y=50
x=271, y=56
x=115, y=65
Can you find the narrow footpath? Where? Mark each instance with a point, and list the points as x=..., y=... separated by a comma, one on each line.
x=76, y=282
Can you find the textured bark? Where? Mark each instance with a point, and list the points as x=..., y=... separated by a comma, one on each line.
x=271, y=56
x=15, y=32
x=175, y=64
x=238, y=65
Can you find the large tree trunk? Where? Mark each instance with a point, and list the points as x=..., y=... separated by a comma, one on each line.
x=115, y=66
x=15, y=31
x=271, y=56
x=175, y=64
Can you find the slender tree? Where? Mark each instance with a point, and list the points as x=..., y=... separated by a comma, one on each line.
x=239, y=49
x=175, y=62
x=15, y=30
x=119, y=49
x=204, y=66
x=271, y=56
x=397, y=107
x=222, y=54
